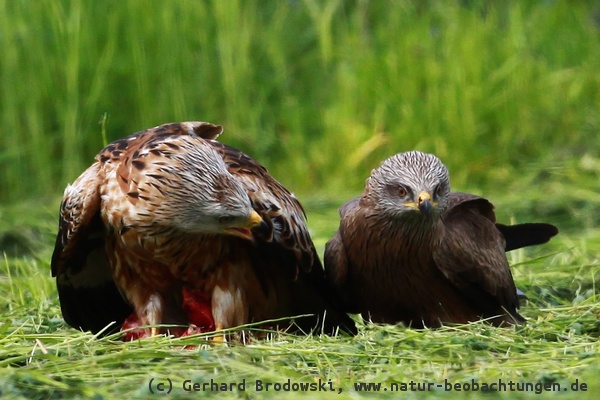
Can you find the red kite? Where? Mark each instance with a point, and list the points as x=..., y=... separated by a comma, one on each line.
x=169, y=226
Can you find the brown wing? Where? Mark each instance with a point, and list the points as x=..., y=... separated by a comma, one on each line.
x=472, y=256
x=89, y=298
x=284, y=248
x=515, y=236
x=279, y=208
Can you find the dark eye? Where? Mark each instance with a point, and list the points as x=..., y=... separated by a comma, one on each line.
x=226, y=220
x=402, y=191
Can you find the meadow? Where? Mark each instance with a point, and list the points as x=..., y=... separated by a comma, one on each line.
x=506, y=93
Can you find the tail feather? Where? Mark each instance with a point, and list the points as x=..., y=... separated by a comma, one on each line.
x=523, y=235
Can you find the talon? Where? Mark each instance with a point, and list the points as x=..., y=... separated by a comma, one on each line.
x=220, y=338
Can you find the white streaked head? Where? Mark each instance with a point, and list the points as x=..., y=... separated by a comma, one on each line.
x=411, y=183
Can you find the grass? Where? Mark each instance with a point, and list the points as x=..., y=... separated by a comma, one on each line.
x=506, y=93
x=488, y=86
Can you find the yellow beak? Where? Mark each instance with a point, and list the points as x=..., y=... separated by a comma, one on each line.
x=423, y=203
x=245, y=231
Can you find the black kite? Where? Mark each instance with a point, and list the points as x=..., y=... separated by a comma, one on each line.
x=409, y=250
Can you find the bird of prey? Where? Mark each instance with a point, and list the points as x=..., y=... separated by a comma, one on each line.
x=170, y=226
x=409, y=250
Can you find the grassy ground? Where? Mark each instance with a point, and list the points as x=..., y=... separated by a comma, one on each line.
x=506, y=93
x=40, y=357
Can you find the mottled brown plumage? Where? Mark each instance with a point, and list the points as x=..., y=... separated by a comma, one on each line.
x=173, y=226
x=409, y=250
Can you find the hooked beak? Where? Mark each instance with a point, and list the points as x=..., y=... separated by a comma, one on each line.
x=423, y=203
x=245, y=231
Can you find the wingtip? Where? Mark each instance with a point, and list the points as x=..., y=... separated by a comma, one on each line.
x=205, y=130
x=527, y=234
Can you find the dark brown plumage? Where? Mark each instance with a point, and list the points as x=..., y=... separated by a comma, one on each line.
x=177, y=228
x=409, y=250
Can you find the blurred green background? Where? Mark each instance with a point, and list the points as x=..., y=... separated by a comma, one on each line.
x=507, y=93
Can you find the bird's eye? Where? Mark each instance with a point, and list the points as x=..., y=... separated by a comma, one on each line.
x=226, y=220
x=396, y=190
